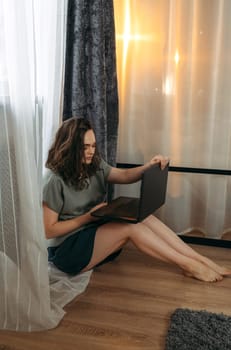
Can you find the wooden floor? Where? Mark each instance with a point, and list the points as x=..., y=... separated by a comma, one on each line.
x=127, y=305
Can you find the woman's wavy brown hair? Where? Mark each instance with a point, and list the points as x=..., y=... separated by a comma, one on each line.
x=65, y=157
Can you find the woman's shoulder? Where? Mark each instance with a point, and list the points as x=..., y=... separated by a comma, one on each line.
x=51, y=178
x=53, y=191
x=103, y=165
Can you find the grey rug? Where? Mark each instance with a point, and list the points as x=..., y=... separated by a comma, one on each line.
x=198, y=330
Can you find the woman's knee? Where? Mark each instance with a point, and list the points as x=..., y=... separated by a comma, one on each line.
x=150, y=219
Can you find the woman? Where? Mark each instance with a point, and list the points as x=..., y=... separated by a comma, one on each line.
x=76, y=185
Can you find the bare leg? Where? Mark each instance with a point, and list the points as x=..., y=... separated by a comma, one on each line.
x=175, y=242
x=112, y=236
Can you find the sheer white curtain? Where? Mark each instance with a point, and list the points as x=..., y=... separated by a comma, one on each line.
x=174, y=68
x=31, y=70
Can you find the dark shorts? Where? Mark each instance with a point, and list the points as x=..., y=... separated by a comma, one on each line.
x=75, y=253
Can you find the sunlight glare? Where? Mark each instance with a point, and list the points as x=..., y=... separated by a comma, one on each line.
x=177, y=57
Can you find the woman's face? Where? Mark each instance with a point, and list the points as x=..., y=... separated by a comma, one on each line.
x=89, y=146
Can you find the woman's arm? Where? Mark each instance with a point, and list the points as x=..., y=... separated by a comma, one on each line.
x=126, y=176
x=56, y=228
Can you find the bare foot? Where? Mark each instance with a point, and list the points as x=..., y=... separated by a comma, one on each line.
x=224, y=271
x=201, y=272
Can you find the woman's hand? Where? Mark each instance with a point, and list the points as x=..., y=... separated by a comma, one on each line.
x=159, y=159
x=98, y=206
x=94, y=218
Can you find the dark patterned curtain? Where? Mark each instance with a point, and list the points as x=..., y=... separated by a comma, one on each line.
x=90, y=74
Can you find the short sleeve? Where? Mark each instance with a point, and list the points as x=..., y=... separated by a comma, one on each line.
x=53, y=193
x=106, y=168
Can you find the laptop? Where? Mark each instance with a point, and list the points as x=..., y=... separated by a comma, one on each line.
x=152, y=196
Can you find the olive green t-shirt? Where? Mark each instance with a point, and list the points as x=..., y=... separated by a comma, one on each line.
x=68, y=202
